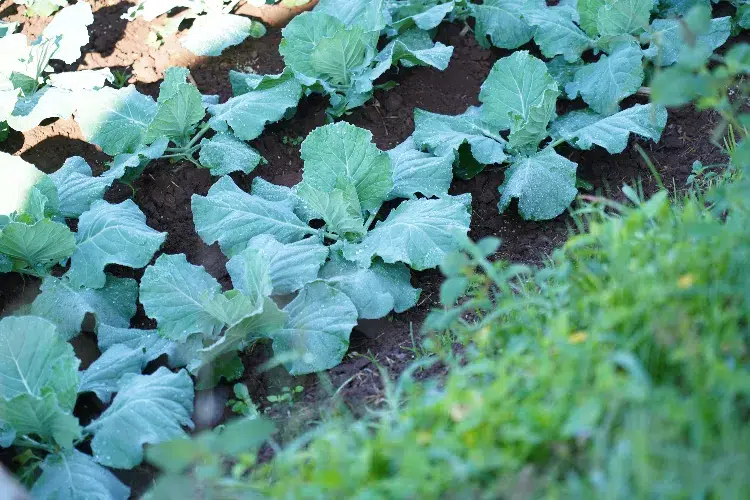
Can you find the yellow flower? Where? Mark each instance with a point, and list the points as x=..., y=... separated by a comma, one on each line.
x=686, y=281
x=577, y=337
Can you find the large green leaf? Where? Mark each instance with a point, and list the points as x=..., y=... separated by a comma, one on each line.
x=128, y=424
x=177, y=115
x=415, y=171
x=231, y=217
x=224, y=154
x=556, y=33
x=344, y=151
x=41, y=416
x=248, y=114
x=584, y=128
x=412, y=48
x=622, y=17
x=544, y=183
x=212, y=33
x=301, y=36
x=75, y=476
x=339, y=208
x=372, y=15
x=66, y=305
x=444, y=134
x=336, y=57
x=150, y=343
x=519, y=94
x=316, y=335
x=375, y=291
x=261, y=324
x=38, y=380
x=104, y=374
x=588, y=12
x=291, y=265
x=116, y=120
x=418, y=233
x=406, y=15
x=77, y=189
x=668, y=41
x=32, y=357
x=251, y=274
x=608, y=81
x=111, y=234
x=38, y=246
x=175, y=293
x=503, y=22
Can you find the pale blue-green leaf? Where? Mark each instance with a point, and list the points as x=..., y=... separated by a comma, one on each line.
x=743, y=16
x=104, y=374
x=608, y=81
x=316, y=335
x=444, y=134
x=42, y=416
x=418, y=233
x=231, y=217
x=588, y=12
x=282, y=194
x=32, y=358
x=503, y=22
x=177, y=115
x=563, y=72
x=232, y=307
x=116, y=120
x=424, y=19
x=75, y=476
x=338, y=208
x=248, y=114
x=242, y=83
x=544, y=183
x=77, y=189
x=66, y=305
x=375, y=291
x=291, y=265
x=40, y=245
x=7, y=434
x=70, y=24
x=148, y=342
x=212, y=33
x=123, y=163
x=668, y=40
x=175, y=293
x=372, y=15
x=174, y=78
x=301, y=36
x=412, y=48
x=622, y=17
x=265, y=321
x=127, y=425
x=47, y=102
x=520, y=94
x=111, y=234
x=224, y=154
x=670, y=8
x=556, y=32
x=251, y=274
x=343, y=150
x=337, y=58
x=583, y=128
x=415, y=171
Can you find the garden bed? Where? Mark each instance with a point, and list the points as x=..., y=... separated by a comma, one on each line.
x=163, y=192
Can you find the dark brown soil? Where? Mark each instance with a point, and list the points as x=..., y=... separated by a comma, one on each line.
x=164, y=191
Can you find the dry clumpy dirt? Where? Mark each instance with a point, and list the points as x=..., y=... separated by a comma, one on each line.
x=164, y=190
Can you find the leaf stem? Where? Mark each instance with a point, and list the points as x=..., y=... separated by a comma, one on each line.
x=556, y=143
x=32, y=443
x=201, y=132
x=371, y=218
